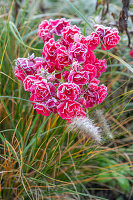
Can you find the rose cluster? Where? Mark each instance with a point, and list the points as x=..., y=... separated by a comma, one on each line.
x=65, y=79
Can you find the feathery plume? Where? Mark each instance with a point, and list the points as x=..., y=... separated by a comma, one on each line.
x=86, y=126
x=104, y=124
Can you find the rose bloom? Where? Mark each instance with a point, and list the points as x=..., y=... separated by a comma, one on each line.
x=42, y=91
x=78, y=77
x=50, y=51
x=95, y=95
x=19, y=73
x=44, y=31
x=90, y=58
x=102, y=93
x=58, y=25
x=102, y=30
x=68, y=34
x=91, y=98
x=92, y=41
x=78, y=38
x=62, y=58
x=70, y=109
x=101, y=67
x=28, y=82
x=42, y=109
x=77, y=52
x=91, y=69
x=24, y=67
x=52, y=104
x=93, y=85
x=110, y=40
x=68, y=91
x=109, y=37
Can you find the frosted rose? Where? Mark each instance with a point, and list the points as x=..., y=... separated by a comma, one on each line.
x=78, y=77
x=50, y=51
x=78, y=38
x=70, y=109
x=93, y=85
x=110, y=40
x=26, y=64
x=101, y=67
x=77, y=52
x=65, y=75
x=19, y=73
x=102, y=93
x=44, y=31
x=90, y=58
x=28, y=82
x=92, y=41
x=109, y=37
x=52, y=105
x=68, y=34
x=42, y=109
x=102, y=30
x=91, y=69
x=42, y=91
x=58, y=25
x=62, y=58
x=91, y=98
x=68, y=91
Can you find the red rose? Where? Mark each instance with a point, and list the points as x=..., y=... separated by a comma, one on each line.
x=77, y=52
x=102, y=93
x=78, y=77
x=70, y=109
x=68, y=91
x=58, y=25
x=92, y=41
x=68, y=34
x=28, y=82
x=42, y=91
x=42, y=109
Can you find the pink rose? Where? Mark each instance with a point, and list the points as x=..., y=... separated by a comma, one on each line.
x=52, y=105
x=44, y=31
x=110, y=40
x=109, y=37
x=78, y=38
x=27, y=65
x=42, y=90
x=91, y=98
x=93, y=85
x=58, y=25
x=77, y=52
x=91, y=69
x=68, y=91
x=78, y=77
x=102, y=30
x=70, y=109
x=68, y=34
x=102, y=93
x=92, y=41
x=62, y=58
x=50, y=51
x=90, y=58
x=42, y=109
x=65, y=75
x=101, y=67
x=19, y=73
x=28, y=82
